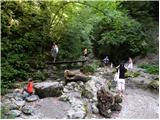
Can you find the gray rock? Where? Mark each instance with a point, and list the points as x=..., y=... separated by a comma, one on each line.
x=25, y=95
x=27, y=110
x=6, y=101
x=95, y=109
x=48, y=89
x=76, y=115
x=10, y=106
x=14, y=113
x=9, y=95
x=32, y=98
x=18, y=96
x=19, y=103
x=77, y=109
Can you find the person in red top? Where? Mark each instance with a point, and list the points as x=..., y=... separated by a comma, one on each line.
x=29, y=88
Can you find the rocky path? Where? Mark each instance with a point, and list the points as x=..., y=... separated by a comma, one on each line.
x=50, y=107
x=79, y=99
x=139, y=104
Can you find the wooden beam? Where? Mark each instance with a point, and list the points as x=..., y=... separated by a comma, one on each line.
x=67, y=62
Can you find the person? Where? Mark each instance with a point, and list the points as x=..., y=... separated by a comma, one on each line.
x=54, y=51
x=121, y=79
x=106, y=60
x=85, y=52
x=130, y=63
x=29, y=88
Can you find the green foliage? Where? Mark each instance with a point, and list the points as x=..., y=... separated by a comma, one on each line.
x=30, y=27
x=152, y=69
x=87, y=69
x=131, y=74
x=39, y=75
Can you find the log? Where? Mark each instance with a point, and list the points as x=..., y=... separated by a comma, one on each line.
x=66, y=62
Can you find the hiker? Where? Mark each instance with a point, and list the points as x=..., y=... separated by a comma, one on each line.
x=130, y=64
x=54, y=51
x=106, y=60
x=29, y=88
x=121, y=79
x=85, y=53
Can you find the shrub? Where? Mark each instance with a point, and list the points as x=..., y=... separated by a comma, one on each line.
x=87, y=69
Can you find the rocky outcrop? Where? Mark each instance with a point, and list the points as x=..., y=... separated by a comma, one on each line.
x=108, y=103
x=48, y=89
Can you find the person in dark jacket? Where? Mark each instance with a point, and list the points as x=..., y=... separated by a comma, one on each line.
x=121, y=79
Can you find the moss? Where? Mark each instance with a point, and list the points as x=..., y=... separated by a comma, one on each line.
x=131, y=74
x=154, y=84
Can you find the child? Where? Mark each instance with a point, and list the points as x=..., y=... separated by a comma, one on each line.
x=29, y=88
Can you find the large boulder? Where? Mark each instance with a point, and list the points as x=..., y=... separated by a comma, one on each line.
x=48, y=89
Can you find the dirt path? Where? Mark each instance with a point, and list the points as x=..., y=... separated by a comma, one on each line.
x=139, y=104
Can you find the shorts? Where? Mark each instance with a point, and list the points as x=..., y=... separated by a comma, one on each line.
x=121, y=84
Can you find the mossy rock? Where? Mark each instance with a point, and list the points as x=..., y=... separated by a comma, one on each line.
x=154, y=84
x=131, y=74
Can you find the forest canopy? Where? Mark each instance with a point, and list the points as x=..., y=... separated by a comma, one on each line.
x=115, y=28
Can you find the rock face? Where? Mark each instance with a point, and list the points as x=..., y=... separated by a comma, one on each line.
x=107, y=102
x=48, y=89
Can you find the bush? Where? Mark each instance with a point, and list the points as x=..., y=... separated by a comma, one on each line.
x=88, y=69
x=152, y=69
x=39, y=75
